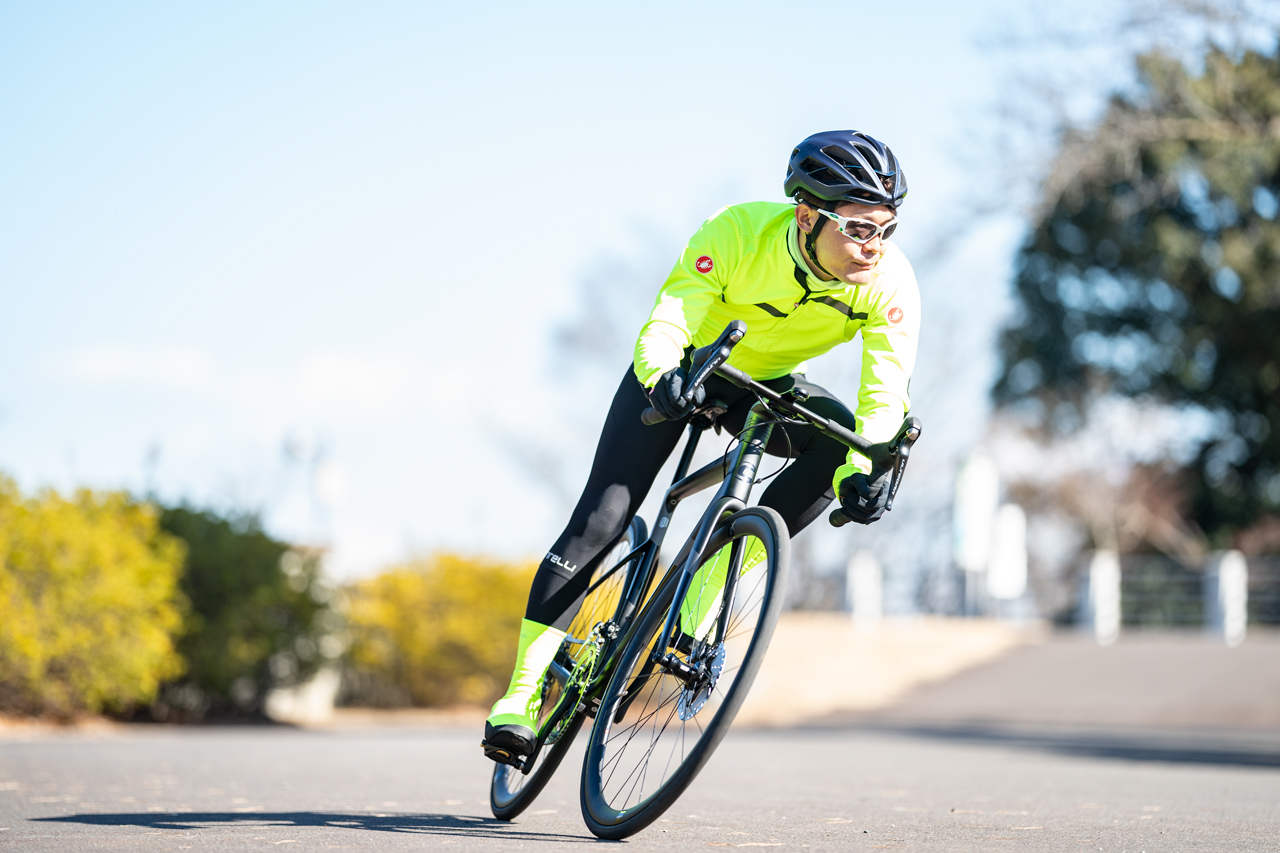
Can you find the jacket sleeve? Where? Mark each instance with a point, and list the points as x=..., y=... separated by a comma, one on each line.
x=889, y=340
x=697, y=278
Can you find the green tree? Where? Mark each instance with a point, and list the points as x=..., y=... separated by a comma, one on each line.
x=89, y=602
x=259, y=615
x=1153, y=270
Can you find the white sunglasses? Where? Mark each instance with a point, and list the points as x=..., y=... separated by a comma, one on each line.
x=860, y=231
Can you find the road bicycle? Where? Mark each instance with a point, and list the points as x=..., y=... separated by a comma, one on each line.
x=663, y=660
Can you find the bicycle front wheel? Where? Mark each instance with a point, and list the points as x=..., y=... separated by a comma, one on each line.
x=511, y=790
x=658, y=725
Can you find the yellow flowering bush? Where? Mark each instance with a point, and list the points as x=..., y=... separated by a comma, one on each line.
x=441, y=630
x=89, y=602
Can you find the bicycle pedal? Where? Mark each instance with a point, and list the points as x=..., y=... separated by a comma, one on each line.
x=502, y=755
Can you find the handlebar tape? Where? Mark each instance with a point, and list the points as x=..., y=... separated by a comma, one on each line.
x=734, y=375
x=651, y=416
x=838, y=517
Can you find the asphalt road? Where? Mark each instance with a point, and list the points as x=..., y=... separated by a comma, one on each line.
x=1159, y=743
x=864, y=788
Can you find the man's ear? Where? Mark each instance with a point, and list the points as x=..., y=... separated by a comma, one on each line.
x=805, y=217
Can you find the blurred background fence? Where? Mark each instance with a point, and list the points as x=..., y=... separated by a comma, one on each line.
x=1264, y=590
x=1158, y=591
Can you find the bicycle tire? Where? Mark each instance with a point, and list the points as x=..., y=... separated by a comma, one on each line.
x=637, y=767
x=510, y=790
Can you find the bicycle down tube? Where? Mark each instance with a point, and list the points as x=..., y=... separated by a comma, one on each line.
x=732, y=496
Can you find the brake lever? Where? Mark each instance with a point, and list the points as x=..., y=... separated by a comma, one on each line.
x=718, y=355
x=901, y=453
x=712, y=356
x=895, y=476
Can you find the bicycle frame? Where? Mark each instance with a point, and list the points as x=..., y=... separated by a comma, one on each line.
x=732, y=496
x=585, y=677
x=735, y=490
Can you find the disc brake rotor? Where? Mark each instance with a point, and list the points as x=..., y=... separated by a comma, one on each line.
x=694, y=698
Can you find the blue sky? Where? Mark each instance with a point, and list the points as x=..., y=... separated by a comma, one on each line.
x=308, y=258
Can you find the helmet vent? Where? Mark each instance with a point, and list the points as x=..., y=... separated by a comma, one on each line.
x=820, y=173
x=845, y=160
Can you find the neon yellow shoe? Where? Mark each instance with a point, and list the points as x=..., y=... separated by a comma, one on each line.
x=513, y=723
x=701, y=605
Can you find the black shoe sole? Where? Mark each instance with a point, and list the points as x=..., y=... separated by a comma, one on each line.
x=508, y=744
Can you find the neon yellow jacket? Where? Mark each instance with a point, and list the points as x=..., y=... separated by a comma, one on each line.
x=741, y=265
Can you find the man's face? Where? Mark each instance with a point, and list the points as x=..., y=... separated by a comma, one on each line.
x=848, y=261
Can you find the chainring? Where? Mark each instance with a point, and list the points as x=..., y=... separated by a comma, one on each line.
x=583, y=671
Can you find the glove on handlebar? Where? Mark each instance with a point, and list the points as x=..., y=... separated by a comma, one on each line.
x=665, y=396
x=864, y=497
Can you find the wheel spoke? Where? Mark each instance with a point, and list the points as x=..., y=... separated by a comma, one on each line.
x=642, y=764
x=632, y=730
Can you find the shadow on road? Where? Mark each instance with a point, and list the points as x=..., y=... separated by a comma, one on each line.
x=1122, y=745
x=424, y=824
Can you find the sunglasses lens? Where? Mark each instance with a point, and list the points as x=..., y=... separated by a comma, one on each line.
x=888, y=232
x=860, y=230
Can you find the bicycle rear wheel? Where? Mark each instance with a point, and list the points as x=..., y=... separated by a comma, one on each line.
x=511, y=790
x=656, y=729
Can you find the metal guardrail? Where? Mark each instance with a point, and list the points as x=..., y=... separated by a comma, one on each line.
x=1264, y=590
x=1157, y=591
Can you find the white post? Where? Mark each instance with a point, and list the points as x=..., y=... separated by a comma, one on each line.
x=1226, y=596
x=977, y=496
x=1007, y=569
x=1101, y=597
x=865, y=589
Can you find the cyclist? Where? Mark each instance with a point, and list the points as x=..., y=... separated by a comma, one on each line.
x=802, y=286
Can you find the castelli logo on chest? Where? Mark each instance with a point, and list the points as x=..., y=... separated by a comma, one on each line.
x=895, y=315
x=704, y=264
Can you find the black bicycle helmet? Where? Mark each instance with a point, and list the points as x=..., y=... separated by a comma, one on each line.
x=845, y=165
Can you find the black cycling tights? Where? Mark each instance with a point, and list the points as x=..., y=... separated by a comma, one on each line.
x=628, y=459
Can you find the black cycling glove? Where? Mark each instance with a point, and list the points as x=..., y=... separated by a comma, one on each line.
x=665, y=396
x=864, y=497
